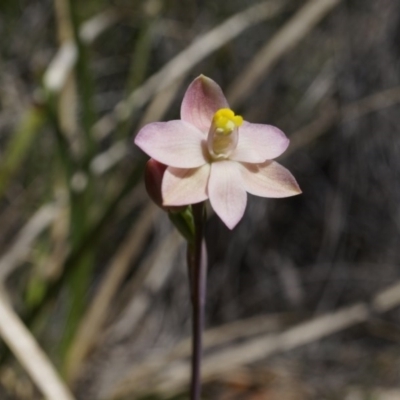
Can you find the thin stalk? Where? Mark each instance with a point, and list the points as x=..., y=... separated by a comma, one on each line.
x=85, y=82
x=197, y=263
x=78, y=281
x=80, y=201
x=138, y=68
x=20, y=144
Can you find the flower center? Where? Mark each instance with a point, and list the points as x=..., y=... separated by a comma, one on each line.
x=223, y=134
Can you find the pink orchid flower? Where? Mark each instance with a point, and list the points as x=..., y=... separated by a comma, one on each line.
x=211, y=153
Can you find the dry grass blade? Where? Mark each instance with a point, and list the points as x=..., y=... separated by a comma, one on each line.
x=287, y=37
x=30, y=355
x=175, y=375
x=187, y=59
x=238, y=330
x=375, y=393
x=154, y=273
x=95, y=26
x=104, y=161
x=387, y=299
x=160, y=104
x=331, y=114
x=154, y=112
x=97, y=313
x=22, y=245
x=244, y=330
x=64, y=61
x=67, y=102
x=372, y=103
x=310, y=132
x=60, y=67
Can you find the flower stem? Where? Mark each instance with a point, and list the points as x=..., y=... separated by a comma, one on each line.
x=197, y=263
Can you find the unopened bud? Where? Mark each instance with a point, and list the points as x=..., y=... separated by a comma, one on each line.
x=153, y=176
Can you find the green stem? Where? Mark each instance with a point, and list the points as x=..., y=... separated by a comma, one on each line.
x=85, y=82
x=20, y=144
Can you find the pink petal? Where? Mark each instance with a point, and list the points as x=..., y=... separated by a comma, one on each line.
x=269, y=179
x=202, y=99
x=174, y=143
x=258, y=143
x=226, y=192
x=185, y=186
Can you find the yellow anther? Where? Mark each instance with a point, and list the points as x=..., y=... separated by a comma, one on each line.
x=225, y=121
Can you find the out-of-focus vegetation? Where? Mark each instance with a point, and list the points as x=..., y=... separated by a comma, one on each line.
x=97, y=273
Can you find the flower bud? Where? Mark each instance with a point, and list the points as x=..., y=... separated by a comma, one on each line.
x=153, y=176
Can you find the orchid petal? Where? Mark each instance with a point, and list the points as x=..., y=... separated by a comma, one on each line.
x=202, y=100
x=258, y=143
x=174, y=143
x=269, y=179
x=226, y=192
x=185, y=186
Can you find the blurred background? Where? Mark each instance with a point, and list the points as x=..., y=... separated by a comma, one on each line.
x=303, y=295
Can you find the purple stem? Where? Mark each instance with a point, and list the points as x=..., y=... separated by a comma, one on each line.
x=197, y=263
